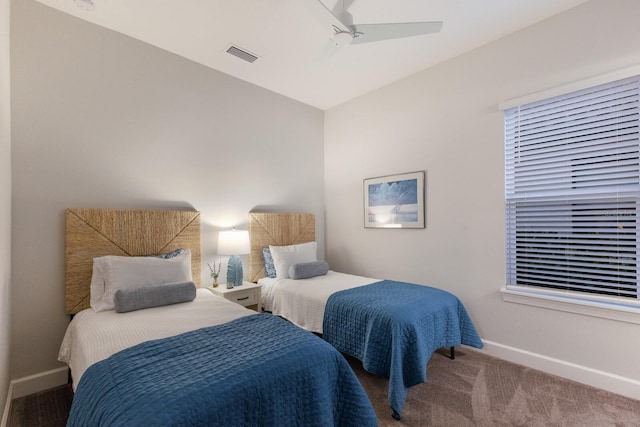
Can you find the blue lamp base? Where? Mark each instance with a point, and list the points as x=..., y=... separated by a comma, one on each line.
x=234, y=271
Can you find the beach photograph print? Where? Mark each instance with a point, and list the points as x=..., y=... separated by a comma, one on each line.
x=394, y=201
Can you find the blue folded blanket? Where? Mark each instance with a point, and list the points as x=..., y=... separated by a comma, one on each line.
x=258, y=370
x=394, y=328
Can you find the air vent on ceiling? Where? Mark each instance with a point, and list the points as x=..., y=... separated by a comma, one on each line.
x=241, y=53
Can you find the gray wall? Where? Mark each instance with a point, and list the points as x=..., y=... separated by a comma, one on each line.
x=102, y=120
x=446, y=121
x=5, y=201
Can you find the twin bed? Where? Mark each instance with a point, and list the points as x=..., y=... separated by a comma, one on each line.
x=209, y=361
x=204, y=361
x=393, y=328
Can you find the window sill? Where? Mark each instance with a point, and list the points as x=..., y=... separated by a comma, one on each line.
x=611, y=308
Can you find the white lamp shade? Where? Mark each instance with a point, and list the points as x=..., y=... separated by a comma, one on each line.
x=233, y=242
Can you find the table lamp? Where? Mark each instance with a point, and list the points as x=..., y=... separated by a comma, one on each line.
x=234, y=243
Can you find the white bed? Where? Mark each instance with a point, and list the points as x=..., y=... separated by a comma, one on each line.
x=143, y=334
x=392, y=327
x=302, y=302
x=92, y=234
x=94, y=336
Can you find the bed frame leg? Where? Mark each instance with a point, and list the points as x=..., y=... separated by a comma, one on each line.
x=453, y=353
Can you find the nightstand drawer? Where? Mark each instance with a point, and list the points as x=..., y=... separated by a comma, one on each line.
x=248, y=297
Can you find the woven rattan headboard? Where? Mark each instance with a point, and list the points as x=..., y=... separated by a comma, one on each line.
x=92, y=233
x=276, y=229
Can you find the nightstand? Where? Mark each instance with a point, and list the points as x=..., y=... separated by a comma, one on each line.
x=247, y=295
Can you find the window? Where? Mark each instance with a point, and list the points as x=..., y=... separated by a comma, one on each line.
x=572, y=188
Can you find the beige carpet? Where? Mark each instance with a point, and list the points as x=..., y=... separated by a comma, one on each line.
x=479, y=390
x=473, y=390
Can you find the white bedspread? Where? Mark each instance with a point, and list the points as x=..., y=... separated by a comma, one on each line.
x=91, y=336
x=302, y=302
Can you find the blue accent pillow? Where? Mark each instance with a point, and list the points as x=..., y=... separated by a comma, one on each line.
x=269, y=266
x=171, y=254
x=153, y=296
x=307, y=270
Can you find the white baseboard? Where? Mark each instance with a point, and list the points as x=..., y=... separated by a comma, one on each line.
x=7, y=407
x=582, y=374
x=39, y=382
x=33, y=384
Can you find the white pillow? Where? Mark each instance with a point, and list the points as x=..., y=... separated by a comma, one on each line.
x=285, y=256
x=111, y=273
x=98, y=278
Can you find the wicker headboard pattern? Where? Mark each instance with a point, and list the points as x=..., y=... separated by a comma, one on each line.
x=92, y=233
x=277, y=229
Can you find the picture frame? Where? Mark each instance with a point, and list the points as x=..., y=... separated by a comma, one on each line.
x=395, y=201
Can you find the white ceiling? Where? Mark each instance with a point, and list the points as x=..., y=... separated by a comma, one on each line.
x=293, y=47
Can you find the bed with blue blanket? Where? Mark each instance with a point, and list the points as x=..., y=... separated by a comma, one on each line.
x=147, y=346
x=394, y=328
x=255, y=370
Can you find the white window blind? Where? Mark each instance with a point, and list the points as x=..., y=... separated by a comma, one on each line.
x=572, y=184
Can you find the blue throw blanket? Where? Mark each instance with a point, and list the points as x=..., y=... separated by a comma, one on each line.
x=394, y=328
x=255, y=371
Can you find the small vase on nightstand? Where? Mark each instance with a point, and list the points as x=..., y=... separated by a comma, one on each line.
x=215, y=272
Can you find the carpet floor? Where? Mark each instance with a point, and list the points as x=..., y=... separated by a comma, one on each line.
x=480, y=390
x=472, y=390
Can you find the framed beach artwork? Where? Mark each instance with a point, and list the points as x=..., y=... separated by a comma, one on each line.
x=394, y=201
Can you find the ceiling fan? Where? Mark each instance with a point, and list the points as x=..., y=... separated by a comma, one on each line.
x=345, y=32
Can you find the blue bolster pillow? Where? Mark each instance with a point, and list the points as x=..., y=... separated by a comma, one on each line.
x=153, y=296
x=306, y=270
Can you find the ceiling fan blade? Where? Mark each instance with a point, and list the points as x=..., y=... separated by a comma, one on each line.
x=325, y=16
x=366, y=33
